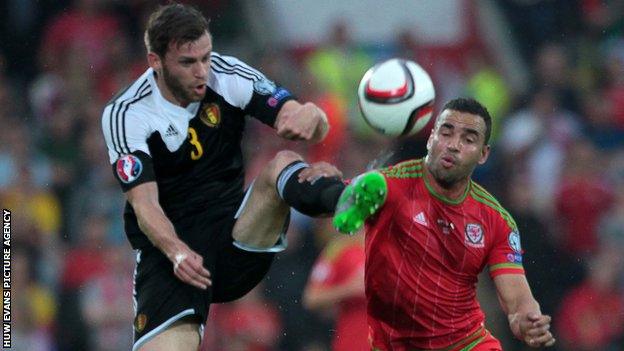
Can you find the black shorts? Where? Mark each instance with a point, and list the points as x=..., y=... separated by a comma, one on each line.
x=161, y=299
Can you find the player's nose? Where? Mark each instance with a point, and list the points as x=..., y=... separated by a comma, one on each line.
x=201, y=70
x=453, y=143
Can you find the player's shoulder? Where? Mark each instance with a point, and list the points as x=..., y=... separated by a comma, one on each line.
x=406, y=169
x=134, y=92
x=230, y=66
x=235, y=80
x=489, y=202
x=133, y=100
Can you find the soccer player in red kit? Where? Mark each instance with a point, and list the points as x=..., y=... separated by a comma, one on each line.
x=430, y=230
x=336, y=284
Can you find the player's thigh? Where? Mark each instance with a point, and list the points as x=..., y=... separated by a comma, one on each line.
x=162, y=300
x=238, y=271
x=261, y=214
x=183, y=335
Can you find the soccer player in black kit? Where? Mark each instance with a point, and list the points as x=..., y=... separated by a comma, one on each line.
x=173, y=139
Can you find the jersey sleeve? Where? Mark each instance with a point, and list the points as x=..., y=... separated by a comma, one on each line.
x=505, y=257
x=247, y=88
x=124, y=131
x=126, y=136
x=398, y=176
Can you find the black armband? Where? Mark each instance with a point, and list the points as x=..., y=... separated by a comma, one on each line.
x=265, y=105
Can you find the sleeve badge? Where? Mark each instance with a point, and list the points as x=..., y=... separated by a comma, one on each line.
x=514, y=241
x=128, y=168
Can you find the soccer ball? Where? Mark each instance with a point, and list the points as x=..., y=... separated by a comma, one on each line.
x=396, y=97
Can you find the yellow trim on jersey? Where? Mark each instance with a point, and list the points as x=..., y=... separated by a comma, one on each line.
x=506, y=265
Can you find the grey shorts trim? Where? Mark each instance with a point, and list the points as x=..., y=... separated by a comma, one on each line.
x=281, y=245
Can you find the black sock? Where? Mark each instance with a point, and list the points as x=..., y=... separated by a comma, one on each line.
x=310, y=198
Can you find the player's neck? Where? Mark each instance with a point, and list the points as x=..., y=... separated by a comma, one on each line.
x=454, y=191
x=167, y=93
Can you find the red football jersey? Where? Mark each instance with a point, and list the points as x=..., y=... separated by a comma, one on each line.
x=423, y=255
x=341, y=261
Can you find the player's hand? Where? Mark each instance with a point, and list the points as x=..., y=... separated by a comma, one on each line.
x=318, y=170
x=302, y=122
x=188, y=266
x=535, y=330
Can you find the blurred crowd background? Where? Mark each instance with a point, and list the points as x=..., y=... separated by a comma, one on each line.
x=551, y=73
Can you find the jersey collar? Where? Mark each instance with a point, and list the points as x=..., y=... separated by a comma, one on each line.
x=444, y=198
x=188, y=111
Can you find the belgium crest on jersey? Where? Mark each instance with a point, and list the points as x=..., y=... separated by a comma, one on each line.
x=139, y=322
x=211, y=115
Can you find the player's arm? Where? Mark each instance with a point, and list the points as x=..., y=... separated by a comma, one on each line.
x=187, y=264
x=132, y=166
x=322, y=290
x=317, y=296
x=268, y=102
x=523, y=312
x=296, y=121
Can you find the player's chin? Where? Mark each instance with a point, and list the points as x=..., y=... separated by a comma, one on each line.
x=196, y=97
x=197, y=93
x=448, y=176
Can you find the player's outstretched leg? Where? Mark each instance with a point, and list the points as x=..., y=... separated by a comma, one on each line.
x=263, y=214
x=360, y=200
x=278, y=188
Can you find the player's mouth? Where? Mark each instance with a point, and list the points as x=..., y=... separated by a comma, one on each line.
x=200, y=89
x=447, y=161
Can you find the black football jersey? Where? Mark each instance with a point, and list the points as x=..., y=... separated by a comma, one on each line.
x=193, y=153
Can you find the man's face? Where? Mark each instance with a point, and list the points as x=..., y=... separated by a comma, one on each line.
x=455, y=147
x=185, y=69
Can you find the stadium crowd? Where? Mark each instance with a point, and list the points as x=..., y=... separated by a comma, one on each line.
x=557, y=165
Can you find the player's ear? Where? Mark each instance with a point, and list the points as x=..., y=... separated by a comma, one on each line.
x=485, y=152
x=154, y=61
x=430, y=139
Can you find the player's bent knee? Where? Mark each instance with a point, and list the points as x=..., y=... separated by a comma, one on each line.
x=280, y=161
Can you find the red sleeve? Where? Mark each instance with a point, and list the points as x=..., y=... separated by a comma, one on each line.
x=505, y=256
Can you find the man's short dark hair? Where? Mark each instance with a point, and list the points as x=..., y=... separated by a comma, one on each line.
x=474, y=107
x=173, y=23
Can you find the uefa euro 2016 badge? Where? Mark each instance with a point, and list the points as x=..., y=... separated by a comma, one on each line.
x=128, y=168
x=474, y=235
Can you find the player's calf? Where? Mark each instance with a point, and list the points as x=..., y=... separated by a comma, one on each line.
x=260, y=224
x=310, y=189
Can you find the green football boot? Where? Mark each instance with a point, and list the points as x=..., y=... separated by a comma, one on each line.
x=360, y=200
